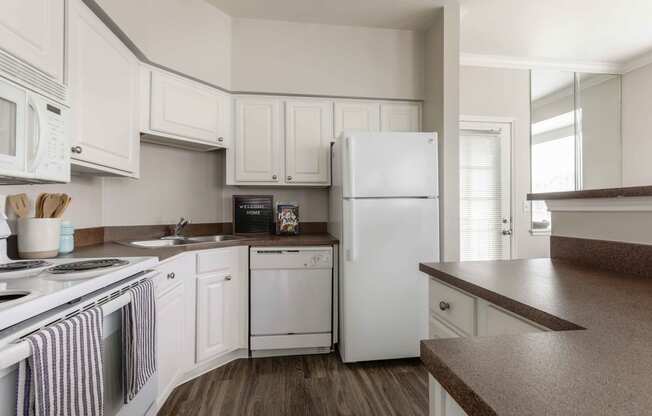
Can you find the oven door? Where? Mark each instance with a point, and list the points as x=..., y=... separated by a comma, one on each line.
x=14, y=128
x=112, y=364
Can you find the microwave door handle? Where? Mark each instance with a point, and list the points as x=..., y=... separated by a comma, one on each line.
x=35, y=140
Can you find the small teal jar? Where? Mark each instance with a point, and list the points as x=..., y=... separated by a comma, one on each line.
x=67, y=239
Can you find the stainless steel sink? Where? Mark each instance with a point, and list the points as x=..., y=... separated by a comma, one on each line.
x=181, y=241
x=213, y=238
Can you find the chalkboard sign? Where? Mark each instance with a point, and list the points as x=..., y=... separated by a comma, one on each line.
x=253, y=214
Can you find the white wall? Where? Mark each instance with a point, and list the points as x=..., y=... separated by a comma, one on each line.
x=190, y=36
x=306, y=58
x=502, y=92
x=637, y=135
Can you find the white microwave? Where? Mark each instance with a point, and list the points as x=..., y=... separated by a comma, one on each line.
x=34, y=137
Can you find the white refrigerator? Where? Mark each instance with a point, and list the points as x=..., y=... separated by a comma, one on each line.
x=384, y=210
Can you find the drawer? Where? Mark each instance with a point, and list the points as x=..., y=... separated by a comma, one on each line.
x=216, y=260
x=452, y=306
x=439, y=330
x=504, y=323
x=173, y=271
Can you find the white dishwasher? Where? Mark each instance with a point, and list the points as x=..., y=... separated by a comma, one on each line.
x=291, y=300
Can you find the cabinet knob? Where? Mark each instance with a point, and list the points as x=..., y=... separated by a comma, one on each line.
x=444, y=305
x=171, y=275
x=227, y=277
x=220, y=139
x=76, y=149
x=289, y=178
x=275, y=177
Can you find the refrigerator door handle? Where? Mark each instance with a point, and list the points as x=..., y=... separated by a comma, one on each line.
x=350, y=166
x=351, y=252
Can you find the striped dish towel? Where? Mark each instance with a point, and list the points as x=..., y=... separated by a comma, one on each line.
x=138, y=339
x=64, y=374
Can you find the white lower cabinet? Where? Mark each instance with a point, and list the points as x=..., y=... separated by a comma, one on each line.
x=456, y=313
x=202, y=313
x=170, y=326
x=440, y=402
x=216, y=310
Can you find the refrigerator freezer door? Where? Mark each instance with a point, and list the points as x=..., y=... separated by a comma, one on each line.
x=384, y=296
x=389, y=165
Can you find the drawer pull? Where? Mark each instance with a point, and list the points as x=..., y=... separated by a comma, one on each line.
x=444, y=305
x=227, y=277
x=171, y=276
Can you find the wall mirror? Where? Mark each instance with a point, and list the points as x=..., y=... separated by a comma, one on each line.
x=576, y=141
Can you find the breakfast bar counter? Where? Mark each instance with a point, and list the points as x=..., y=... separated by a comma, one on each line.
x=595, y=360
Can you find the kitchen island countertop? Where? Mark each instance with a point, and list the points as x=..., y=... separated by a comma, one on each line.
x=596, y=361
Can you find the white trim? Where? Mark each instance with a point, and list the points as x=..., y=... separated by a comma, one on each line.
x=623, y=204
x=638, y=62
x=501, y=61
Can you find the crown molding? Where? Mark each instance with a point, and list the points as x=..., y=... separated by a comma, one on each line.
x=502, y=61
x=638, y=62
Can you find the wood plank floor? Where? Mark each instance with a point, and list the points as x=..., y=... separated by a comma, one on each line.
x=304, y=385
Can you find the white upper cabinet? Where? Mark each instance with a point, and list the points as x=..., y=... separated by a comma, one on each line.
x=104, y=78
x=34, y=32
x=258, y=141
x=359, y=116
x=400, y=117
x=187, y=110
x=308, y=134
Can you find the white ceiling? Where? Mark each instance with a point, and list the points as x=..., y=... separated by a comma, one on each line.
x=391, y=14
x=565, y=30
x=572, y=31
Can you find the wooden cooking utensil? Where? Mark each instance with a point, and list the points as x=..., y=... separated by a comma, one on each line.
x=64, y=202
x=19, y=204
x=50, y=205
x=39, y=205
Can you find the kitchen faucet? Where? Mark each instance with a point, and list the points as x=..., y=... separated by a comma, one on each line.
x=179, y=227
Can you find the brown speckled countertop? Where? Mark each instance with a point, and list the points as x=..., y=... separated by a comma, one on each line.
x=604, y=369
x=114, y=249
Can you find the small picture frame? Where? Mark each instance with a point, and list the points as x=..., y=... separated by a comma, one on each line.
x=287, y=219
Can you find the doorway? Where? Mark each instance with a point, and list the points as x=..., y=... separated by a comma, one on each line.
x=485, y=189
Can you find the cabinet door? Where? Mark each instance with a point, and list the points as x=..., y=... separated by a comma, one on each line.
x=358, y=116
x=400, y=117
x=186, y=108
x=498, y=322
x=309, y=130
x=258, y=140
x=34, y=32
x=104, y=83
x=170, y=337
x=217, y=312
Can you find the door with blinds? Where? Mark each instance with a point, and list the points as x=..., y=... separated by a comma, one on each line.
x=485, y=191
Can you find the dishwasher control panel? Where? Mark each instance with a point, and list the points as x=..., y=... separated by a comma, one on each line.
x=291, y=258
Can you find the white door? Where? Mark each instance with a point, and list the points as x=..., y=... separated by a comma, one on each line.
x=187, y=108
x=356, y=116
x=34, y=32
x=390, y=165
x=258, y=140
x=217, y=314
x=308, y=134
x=384, y=297
x=485, y=191
x=104, y=81
x=170, y=320
x=400, y=117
